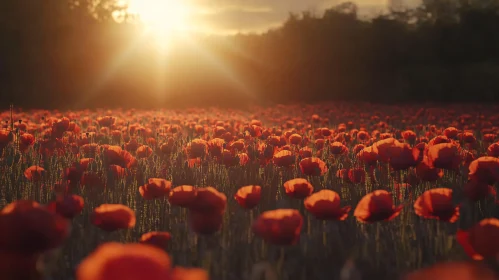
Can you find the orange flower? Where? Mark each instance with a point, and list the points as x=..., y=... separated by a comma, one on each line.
x=480, y=241
x=313, y=166
x=298, y=188
x=437, y=204
x=279, y=227
x=249, y=196
x=113, y=261
x=155, y=188
x=182, y=196
x=111, y=217
x=67, y=206
x=159, y=239
x=325, y=205
x=29, y=228
x=376, y=206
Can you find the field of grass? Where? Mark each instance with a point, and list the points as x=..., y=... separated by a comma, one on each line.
x=405, y=186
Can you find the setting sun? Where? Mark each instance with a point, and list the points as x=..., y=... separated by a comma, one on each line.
x=164, y=18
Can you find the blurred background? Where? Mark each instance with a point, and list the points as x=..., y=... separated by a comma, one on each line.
x=75, y=54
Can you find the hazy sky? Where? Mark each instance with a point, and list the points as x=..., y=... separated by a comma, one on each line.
x=259, y=15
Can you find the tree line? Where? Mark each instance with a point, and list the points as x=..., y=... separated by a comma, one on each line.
x=76, y=54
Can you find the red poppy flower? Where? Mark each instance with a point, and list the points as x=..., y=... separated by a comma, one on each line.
x=249, y=196
x=376, y=206
x=476, y=190
x=445, y=156
x=106, y=121
x=92, y=180
x=325, y=205
x=208, y=199
x=485, y=169
x=182, y=196
x=480, y=241
x=439, y=140
x=115, y=155
x=428, y=173
x=205, y=223
x=197, y=148
x=143, y=151
x=298, y=188
x=284, y=158
x=25, y=141
x=401, y=156
x=19, y=266
x=363, y=136
x=493, y=150
x=368, y=155
x=279, y=227
x=382, y=148
x=112, y=261
x=337, y=148
x=295, y=139
x=111, y=217
x=313, y=166
x=155, y=188
x=67, y=206
x=357, y=175
x=160, y=239
x=409, y=136
x=437, y=204
x=29, y=228
x=34, y=173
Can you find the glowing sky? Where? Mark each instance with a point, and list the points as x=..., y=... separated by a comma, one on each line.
x=230, y=16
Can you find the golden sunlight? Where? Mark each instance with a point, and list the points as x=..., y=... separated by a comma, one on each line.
x=165, y=19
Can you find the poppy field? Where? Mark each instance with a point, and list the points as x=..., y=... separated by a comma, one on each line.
x=295, y=192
